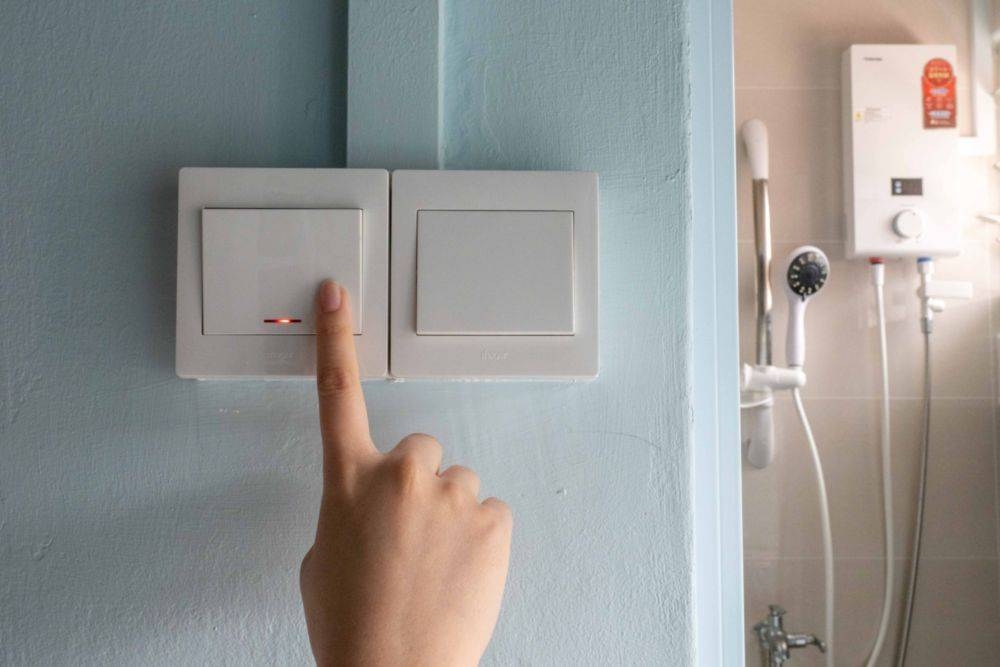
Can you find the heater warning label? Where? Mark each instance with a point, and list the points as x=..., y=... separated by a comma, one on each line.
x=938, y=85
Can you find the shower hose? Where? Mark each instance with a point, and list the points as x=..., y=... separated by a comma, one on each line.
x=885, y=441
x=824, y=509
x=918, y=529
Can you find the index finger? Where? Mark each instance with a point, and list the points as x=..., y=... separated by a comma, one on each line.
x=342, y=415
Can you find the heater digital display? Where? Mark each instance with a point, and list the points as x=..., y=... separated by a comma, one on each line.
x=907, y=186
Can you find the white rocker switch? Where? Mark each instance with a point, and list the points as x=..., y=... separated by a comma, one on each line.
x=500, y=273
x=494, y=275
x=260, y=267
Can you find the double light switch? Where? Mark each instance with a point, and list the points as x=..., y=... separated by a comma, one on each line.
x=493, y=274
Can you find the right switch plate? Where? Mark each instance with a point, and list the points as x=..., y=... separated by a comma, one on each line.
x=494, y=275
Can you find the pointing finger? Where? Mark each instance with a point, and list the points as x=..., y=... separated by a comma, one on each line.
x=342, y=413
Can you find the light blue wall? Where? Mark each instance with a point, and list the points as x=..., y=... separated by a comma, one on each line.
x=148, y=520
x=145, y=520
x=598, y=473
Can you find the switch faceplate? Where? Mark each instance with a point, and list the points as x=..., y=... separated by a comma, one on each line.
x=494, y=275
x=253, y=245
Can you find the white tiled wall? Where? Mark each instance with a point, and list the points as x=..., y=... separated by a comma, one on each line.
x=788, y=74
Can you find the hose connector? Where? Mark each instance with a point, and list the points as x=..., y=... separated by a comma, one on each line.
x=878, y=271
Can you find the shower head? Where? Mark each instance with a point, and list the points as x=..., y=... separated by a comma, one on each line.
x=805, y=274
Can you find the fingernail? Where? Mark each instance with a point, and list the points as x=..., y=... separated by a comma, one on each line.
x=329, y=296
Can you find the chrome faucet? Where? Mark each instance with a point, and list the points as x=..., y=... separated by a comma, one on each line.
x=775, y=643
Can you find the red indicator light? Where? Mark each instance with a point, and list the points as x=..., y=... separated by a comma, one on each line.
x=282, y=320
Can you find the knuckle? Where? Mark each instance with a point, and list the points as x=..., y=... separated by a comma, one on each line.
x=406, y=473
x=463, y=470
x=418, y=444
x=434, y=447
x=467, y=476
x=336, y=381
x=454, y=493
x=420, y=440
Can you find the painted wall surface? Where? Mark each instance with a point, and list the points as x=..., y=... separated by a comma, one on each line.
x=598, y=473
x=788, y=75
x=149, y=520
x=146, y=520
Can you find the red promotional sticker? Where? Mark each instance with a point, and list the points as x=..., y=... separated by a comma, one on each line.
x=939, y=94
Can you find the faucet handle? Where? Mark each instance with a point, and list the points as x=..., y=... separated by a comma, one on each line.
x=776, y=615
x=801, y=641
x=773, y=624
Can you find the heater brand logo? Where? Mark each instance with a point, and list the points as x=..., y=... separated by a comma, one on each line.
x=495, y=355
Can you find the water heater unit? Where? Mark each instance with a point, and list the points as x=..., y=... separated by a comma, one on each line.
x=900, y=145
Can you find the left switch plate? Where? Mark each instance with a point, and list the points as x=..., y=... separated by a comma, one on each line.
x=253, y=245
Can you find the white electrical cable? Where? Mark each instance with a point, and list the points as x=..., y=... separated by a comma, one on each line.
x=824, y=510
x=878, y=280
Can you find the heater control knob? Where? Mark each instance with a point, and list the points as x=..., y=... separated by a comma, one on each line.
x=908, y=223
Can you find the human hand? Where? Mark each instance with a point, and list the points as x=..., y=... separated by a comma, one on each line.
x=408, y=567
